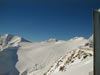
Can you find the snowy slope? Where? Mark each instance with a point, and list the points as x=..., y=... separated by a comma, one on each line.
x=27, y=58
x=80, y=58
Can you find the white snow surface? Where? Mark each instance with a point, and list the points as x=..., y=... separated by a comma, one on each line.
x=27, y=58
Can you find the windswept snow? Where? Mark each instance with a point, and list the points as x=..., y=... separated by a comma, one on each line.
x=27, y=58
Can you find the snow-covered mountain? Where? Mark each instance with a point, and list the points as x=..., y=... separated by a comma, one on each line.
x=91, y=41
x=52, y=57
x=9, y=40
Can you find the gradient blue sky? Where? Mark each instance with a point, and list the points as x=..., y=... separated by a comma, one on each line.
x=39, y=20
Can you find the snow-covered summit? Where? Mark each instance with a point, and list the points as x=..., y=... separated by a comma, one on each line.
x=77, y=38
x=91, y=41
x=52, y=40
x=9, y=40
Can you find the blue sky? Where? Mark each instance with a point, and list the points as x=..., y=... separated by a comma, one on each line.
x=39, y=20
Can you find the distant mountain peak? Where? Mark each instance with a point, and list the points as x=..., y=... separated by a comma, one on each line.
x=10, y=40
x=11, y=36
x=8, y=34
x=52, y=40
x=77, y=38
x=91, y=41
x=91, y=37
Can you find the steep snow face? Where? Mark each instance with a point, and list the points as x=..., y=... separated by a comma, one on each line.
x=9, y=40
x=8, y=60
x=91, y=41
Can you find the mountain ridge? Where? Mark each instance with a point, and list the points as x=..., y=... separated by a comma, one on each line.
x=36, y=58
